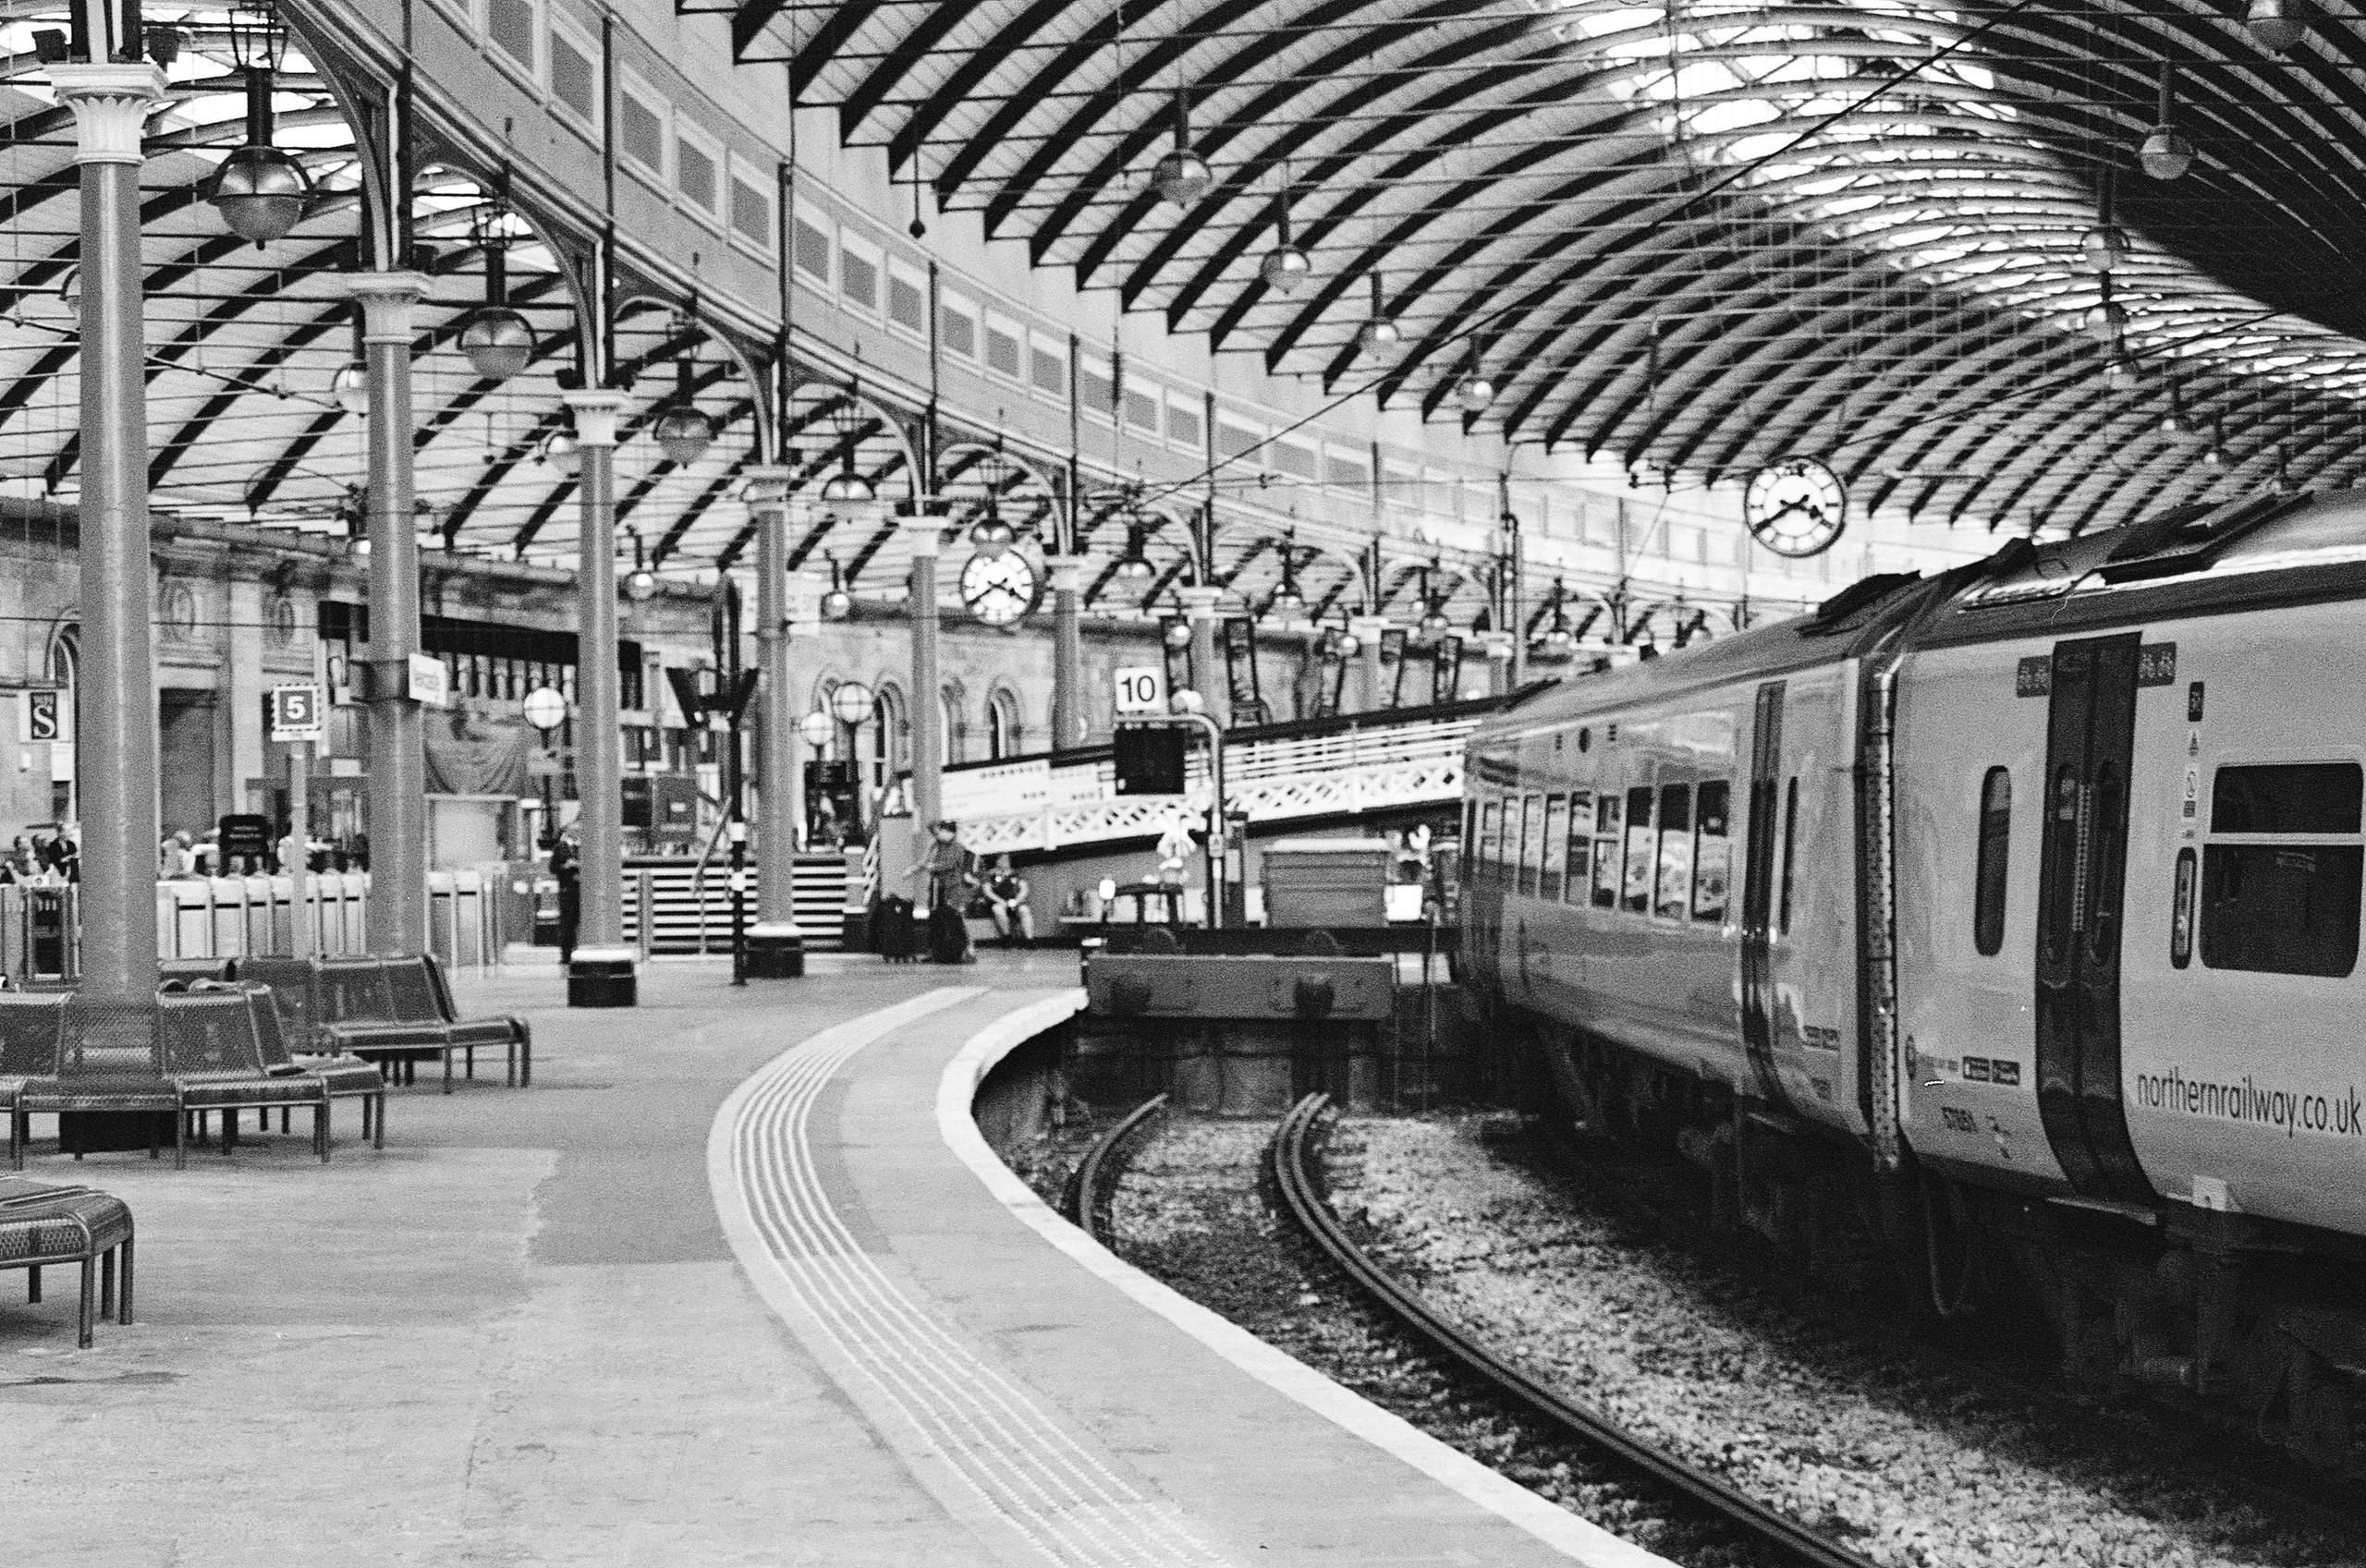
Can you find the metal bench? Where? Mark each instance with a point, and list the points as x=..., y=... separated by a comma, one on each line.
x=32, y=1030
x=210, y=1044
x=45, y=1226
x=286, y=1027
x=399, y=1011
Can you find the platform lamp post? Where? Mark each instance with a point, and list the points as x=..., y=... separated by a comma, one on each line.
x=111, y=97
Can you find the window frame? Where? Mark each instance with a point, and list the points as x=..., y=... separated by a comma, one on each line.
x=1991, y=867
x=1056, y=351
x=582, y=43
x=1790, y=851
x=1639, y=862
x=738, y=171
x=801, y=225
x=952, y=302
x=630, y=85
x=2236, y=849
x=1555, y=852
x=1667, y=835
x=1531, y=841
x=1576, y=850
x=900, y=272
x=538, y=24
x=993, y=323
x=1701, y=837
x=853, y=244
x=707, y=145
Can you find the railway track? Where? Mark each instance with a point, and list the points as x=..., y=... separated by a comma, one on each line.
x=1302, y=1193
x=1087, y=1196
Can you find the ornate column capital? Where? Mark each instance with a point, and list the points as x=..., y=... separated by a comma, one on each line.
x=923, y=535
x=111, y=104
x=595, y=410
x=1367, y=628
x=764, y=487
x=387, y=299
x=1066, y=573
x=1199, y=602
x=1498, y=645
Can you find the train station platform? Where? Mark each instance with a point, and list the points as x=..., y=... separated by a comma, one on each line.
x=735, y=1282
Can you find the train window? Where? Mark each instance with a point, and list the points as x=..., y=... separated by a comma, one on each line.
x=1556, y=836
x=1576, y=878
x=1988, y=880
x=1636, y=893
x=2308, y=798
x=1609, y=813
x=1469, y=832
x=1531, y=844
x=1491, y=833
x=1790, y=849
x=2289, y=905
x=1672, y=894
x=1711, y=853
x=2181, y=913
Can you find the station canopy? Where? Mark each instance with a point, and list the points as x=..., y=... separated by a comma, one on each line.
x=1919, y=243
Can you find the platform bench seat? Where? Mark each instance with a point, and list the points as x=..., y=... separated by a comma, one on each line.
x=286, y=1026
x=32, y=1029
x=43, y=1226
x=199, y=1054
x=399, y=1011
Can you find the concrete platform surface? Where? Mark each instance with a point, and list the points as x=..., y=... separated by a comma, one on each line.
x=717, y=1290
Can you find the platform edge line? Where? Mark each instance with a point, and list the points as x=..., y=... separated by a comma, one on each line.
x=1576, y=1537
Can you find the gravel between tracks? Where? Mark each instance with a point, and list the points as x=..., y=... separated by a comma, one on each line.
x=1902, y=1463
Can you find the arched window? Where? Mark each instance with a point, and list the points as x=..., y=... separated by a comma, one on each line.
x=891, y=745
x=954, y=738
x=1002, y=724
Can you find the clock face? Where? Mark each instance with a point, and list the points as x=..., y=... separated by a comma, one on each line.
x=1796, y=506
x=998, y=589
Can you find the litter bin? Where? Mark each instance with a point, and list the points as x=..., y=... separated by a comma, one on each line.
x=776, y=952
x=603, y=977
x=46, y=918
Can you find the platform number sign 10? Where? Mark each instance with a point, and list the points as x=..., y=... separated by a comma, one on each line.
x=1141, y=688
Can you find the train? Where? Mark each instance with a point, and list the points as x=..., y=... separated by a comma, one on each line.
x=1997, y=930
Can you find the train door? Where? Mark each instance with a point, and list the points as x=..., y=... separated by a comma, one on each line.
x=1811, y=920
x=2091, y=738
x=1758, y=889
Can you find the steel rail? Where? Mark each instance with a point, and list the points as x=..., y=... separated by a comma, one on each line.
x=1083, y=1198
x=1302, y=1193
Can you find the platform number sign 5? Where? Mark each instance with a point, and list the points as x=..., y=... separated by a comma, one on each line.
x=1141, y=688
x=295, y=714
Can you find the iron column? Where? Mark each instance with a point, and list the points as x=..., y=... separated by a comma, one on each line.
x=1207, y=675
x=117, y=746
x=600, y=954
x=1067, y=652
x=398, y=787
x=777, y=731
x=1368, y=629
x=924, y=535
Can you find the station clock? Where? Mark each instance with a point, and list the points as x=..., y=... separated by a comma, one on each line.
x=1000, y=587
x=1795, y=507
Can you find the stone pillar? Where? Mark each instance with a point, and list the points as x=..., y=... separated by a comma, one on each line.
x=1373, y=690
x=1207, y=669
x=397, y=783
x=1499, y=663
x=923, y=535
x=601, y=974
x=243, y=685
x=117, y=739
x=775, y=951
x=1068, y=650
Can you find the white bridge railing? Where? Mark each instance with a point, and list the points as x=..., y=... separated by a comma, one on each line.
x=1386, y=762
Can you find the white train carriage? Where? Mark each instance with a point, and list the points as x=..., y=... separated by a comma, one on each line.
x=2027, y=899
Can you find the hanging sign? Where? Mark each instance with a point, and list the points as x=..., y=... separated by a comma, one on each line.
x=1141, y=688
x=431, y=683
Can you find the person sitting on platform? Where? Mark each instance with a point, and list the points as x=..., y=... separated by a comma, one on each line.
x=1006, y=898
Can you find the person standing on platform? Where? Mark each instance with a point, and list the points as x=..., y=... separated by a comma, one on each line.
x=952, y=873
x=566, y=865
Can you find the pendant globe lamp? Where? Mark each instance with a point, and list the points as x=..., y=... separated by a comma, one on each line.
x=2104, y=247
x=2177, y=423
x=2277, y=25
x=260, y=190
x=683, y=432
x=837, y=604
x=497, y=339
x=350, y=385
x=1378, y=335
x=1287, y=600
x=1182, y=176
x=1284, y=266
x=848, y=487
x=2215, y=456
x=2106, y=321
x=641, y=583
x=1134, y=565
x=2167, y=152
x=1474, y=389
